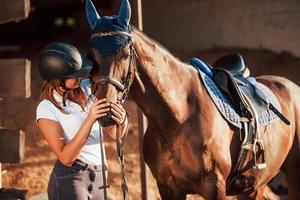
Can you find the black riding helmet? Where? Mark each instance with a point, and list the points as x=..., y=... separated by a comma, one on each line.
x=61, y=61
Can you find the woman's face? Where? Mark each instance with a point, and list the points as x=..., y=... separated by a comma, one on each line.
x=72, y=83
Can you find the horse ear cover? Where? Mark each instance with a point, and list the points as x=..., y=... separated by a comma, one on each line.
x=124, y=13
x=92, y=15
x=94, y=18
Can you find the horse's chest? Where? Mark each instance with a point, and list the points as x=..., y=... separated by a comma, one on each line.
x=174, y=162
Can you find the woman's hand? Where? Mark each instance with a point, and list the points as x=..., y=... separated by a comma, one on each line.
x=120, y=117
x=119, y=113
x=98, y=109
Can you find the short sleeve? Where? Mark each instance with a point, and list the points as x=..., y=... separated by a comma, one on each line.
x=46, y=110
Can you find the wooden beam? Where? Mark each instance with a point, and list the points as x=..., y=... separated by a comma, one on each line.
x=137, y=20
x=144, y=177
x=15, y=78
x=14, y=10
x=0, y=175
x=137, y=14
x=12, y=146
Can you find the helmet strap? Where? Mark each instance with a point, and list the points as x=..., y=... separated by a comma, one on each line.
x=62, y=84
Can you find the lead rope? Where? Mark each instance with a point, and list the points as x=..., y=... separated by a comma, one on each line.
x=103, y=165
x=120, y=151
x=121, y=158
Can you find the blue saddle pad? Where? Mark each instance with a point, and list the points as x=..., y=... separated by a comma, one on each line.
x=225, y=106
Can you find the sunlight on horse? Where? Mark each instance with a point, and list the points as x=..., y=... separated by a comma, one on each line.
x=188, y=145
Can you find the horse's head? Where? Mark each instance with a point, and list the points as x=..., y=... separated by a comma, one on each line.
x=110, y=47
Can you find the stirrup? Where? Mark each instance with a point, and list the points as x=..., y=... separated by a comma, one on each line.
x=263, y=164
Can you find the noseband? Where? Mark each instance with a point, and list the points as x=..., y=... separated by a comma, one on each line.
x=123, y=86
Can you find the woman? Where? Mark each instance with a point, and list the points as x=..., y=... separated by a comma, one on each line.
x=67, y=118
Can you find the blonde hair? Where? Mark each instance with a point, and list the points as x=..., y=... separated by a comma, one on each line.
x=74, y=95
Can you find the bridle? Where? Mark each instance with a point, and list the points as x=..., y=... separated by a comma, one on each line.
x=123, y=86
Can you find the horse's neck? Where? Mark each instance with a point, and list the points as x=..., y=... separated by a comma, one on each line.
x=166, y=84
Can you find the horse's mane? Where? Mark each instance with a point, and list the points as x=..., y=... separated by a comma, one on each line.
x=155, y=47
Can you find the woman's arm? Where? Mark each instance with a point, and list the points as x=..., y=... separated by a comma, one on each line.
x=67, y=153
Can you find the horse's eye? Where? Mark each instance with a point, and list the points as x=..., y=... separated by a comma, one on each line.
x=123, y=80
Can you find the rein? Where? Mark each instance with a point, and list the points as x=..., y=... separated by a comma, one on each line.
x=121, y=158
x=124, y=88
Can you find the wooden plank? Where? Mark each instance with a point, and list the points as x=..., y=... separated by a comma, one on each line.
x=14, y=10
x=12, y=146
x=15, y=78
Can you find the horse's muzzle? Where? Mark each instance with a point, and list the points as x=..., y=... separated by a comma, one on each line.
x=107, y=120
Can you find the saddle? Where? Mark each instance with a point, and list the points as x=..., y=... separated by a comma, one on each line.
x=232, y=77
x=233, y=63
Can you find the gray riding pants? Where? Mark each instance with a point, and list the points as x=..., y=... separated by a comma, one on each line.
x=78, y=182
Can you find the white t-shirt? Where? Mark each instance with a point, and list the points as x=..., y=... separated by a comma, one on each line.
x=72, y=121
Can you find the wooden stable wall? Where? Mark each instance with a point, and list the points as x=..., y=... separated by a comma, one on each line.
x=14, y=10
x=199, y=25
x=15, y=78
x=12, y=146
x=15, y=84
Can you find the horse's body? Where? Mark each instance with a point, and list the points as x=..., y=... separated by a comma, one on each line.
x=188, y=146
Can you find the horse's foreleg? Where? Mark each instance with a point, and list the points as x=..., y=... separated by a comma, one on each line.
x=269, y=194
x=221, y=185
x=255, y=195
x=166, y=193
x=213, y=186
x=260, y=193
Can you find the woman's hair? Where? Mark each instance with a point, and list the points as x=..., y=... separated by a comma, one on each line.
x=75, y=95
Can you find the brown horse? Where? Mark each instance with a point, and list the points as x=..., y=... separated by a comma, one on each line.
x=188, y=145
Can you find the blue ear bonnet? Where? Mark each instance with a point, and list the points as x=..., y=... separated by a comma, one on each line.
x=109, y=45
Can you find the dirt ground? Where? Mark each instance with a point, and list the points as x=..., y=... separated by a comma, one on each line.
x=34, y=172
